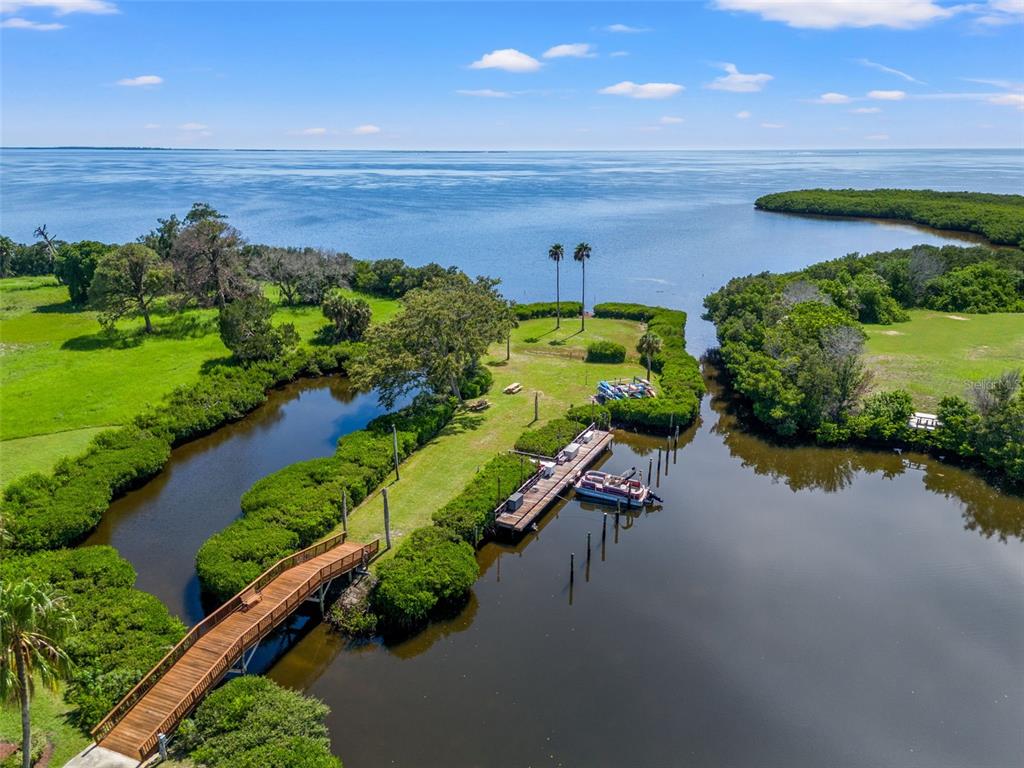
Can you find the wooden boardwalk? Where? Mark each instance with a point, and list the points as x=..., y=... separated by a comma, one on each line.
x=185, y=675
x=540, y=492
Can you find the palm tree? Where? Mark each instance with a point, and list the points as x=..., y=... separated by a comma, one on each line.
x=33, y=627
x=581, y=254
x=556, y=253
x=648, y=346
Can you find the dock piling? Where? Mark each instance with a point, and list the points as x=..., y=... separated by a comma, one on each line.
x=650, y=468
x=604, y=526
x=536, y=406
x=588, y=546
x=572, y=567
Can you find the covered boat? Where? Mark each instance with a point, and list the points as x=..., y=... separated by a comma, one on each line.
x=613, y=489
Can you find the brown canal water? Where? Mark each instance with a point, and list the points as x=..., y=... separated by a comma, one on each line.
x=160, y=526
x=783, y=607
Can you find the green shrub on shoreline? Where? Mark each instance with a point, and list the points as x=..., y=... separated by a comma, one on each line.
x=549, y=439
x=547, y=309
x=468, y=515
x=1000, y=218
x=60, y=509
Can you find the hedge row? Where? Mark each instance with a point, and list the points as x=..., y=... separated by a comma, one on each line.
x=551, y=438
x=122, y=632
x=547, y=309
x=605, y=352
x=59, y=509
x=679, y=383
x=468, y=515
x=299, y=504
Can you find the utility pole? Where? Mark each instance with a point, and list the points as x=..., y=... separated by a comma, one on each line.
x=387, y=519
x=394, y=438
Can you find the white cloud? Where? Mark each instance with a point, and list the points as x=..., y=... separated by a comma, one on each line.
x=17, y=23
x=151, y=126
x=617, y=54
x=508, y=59
x=671, y=120
x=866, y=110
x=833, y=98
x=890, y=71
x=133, y=82
x=829, y=14
x=570, y=50
x=877, y=137
x=772, y=125
x=193, y=127
x=60, y=7
x=1008, y=100
x=625, y=28
x=1001, y=12
x=737, y=82
x=743, y=114
x=643, y=90
x=485, y=93
x=365, y=130
x=314, y=131
x=887, y=95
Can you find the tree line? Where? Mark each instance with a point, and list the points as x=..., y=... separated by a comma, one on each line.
x=792, y=344
x=999, y=218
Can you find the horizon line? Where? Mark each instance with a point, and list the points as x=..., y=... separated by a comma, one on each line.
x=144, y=148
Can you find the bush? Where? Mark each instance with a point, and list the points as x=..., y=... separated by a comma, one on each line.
x=121, y=631
x=605, y=352
x=469, y=513
x=246, y=330
x=349, y=317
x=551, y=438
x=252, y=722
x=432, y=571
x=477, y=383
x=981, y=288
x=547, y=309
x=885, y=416
x=299, y=504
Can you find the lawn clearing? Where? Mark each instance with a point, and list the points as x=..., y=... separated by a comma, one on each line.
x=438, y=472
x=62, y=378
x=938, y=353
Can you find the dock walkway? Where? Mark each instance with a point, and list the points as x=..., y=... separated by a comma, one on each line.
x=540, y=492
x=213, y=647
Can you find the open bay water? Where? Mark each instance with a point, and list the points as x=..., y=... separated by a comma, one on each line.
x=666, y=227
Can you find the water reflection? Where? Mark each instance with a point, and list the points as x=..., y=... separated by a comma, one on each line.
x=791, y=615
x=160, y=526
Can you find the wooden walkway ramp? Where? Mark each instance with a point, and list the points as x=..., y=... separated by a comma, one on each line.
x=540, y=492
x=195, y=665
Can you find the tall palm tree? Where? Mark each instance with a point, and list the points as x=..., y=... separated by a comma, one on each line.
x=582, y=254
x=33, y=627
x=648, y=346
x=556, y=253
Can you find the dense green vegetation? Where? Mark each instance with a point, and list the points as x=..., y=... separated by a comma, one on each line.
x=605, y=352
x=468, y=515
x=793, y=344
x=121, y=631
x=1000, y=218
x=55, y=510
x=549, y=439
x=252, y=722
x=679, y=383
x=299, y=504
x=547, y=309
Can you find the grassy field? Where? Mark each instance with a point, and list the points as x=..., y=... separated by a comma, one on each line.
x=62, y=379
x=48, y=717
x=937, y=353
x=543, y=360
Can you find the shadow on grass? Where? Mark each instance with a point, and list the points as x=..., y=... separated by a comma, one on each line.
x=60, y=308
x=179, y=327
x=227, y=361
x=462, y=422
x=496, y=363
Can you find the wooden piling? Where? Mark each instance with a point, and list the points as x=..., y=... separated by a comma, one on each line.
x=572, y=567
x=387, y=519
x=650, y=467
x=588, y=546
x=604, y=525
x=536, y=406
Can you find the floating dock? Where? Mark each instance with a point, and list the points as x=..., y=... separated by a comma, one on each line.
x=540, y=491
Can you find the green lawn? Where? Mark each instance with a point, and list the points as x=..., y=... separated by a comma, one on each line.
x=62, y=379
x=48, y=717
x=938, y=353
x=435, y=474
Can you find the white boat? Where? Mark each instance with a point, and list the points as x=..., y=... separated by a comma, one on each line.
x=613, y=489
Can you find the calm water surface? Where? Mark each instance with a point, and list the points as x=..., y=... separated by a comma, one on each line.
x=666, y=227
x=161, y=526
x=785, y=607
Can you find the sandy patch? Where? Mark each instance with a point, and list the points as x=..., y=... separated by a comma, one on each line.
x=956, y=317
x=892, y=333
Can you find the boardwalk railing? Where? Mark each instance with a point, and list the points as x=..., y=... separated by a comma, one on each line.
x=202, y=628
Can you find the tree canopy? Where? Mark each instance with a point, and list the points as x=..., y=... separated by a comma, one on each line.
x=128, y=281
x=446, y=326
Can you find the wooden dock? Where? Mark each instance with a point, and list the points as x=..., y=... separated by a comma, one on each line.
x=166, y=695
x=540, y=492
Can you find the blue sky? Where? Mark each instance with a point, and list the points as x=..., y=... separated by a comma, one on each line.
x=710, y=74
